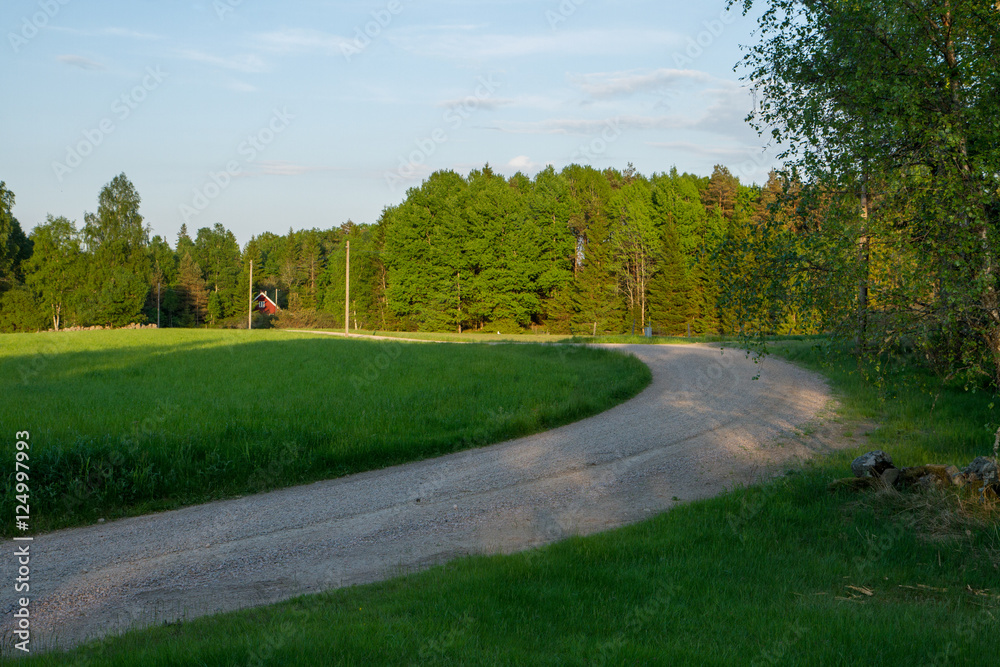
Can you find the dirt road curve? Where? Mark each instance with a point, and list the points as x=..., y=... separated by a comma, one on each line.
x=701, y=426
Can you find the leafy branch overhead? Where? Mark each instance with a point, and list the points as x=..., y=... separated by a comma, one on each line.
x=889, y=114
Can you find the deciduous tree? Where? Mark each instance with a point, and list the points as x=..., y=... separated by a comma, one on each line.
x=906, y=96
x=56, y=269
x=116, y=239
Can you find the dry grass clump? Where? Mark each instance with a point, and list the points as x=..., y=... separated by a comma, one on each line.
x=936, y=514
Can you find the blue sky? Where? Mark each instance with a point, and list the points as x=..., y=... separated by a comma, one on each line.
x=264, y=115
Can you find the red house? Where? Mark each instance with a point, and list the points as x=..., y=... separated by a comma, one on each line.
x=264, y=304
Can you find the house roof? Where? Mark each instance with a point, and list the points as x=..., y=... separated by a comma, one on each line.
x=265, y=296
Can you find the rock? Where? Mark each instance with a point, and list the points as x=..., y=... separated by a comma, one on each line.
x=909, y=476
x=928, y=476
x=982, y=469
x=872, y=464
x=890, y=476
x=940, y=471
x=99, y=327
x=957, y=478
x=930, y=481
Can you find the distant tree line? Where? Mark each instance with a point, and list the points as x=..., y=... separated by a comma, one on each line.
x=579, y=251
x=111, y=273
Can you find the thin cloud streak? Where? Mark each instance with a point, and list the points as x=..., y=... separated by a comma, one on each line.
x=603, y=85
x=79, y=61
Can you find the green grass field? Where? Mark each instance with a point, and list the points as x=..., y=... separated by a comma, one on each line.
x=465, y=337
x=779, y=573
x=619, y=339
x=536, y=338
x=126, y=422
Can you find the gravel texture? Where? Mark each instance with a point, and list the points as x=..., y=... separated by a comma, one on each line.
x=703, y=425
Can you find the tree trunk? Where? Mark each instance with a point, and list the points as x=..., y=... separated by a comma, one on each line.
x=991, y=304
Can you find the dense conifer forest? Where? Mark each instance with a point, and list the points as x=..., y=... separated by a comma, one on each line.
x=576, y=251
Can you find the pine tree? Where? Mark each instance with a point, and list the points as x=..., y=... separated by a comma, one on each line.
x=553, y=210
x=597, y=302
x=193, y=295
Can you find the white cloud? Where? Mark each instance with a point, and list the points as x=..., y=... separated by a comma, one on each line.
x=554, y=102
x=618, y=84
x=79, y=61
x=523, y=163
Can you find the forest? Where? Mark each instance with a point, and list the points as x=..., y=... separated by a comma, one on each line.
x=576, y=251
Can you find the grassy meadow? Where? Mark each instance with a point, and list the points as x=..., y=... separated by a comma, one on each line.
x=486, y=337
x=778, y=573
x=125, y=422
x=481, y=337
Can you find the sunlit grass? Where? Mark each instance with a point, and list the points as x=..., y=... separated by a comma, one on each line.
x=474, y=337
x=923, y=419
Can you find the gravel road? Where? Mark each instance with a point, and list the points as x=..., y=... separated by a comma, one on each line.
x=703, y=425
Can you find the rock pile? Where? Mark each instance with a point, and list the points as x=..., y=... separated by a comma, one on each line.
x=99, y=327
x=876, y=468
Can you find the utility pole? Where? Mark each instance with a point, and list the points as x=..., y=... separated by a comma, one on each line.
x=864, y=257
x=157, y=304
x=250, y=309
x=347, y=293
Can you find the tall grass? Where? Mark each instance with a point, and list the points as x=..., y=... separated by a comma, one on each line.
x=923, y=418
x=130, y=421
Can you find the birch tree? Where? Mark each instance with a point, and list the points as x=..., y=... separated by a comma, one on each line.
x=905, y=94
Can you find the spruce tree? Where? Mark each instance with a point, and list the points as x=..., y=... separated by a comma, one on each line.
x=670, y=299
